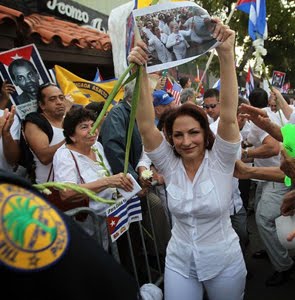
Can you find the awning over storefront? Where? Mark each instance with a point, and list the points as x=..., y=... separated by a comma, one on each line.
x=58, y=41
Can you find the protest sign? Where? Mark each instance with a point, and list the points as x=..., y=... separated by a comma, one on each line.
x=184, y=32
x=24, y=68
x=278, y=79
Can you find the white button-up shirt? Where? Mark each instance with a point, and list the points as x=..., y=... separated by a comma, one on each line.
x=65, y=171
x=202, y=232
x=237, y=202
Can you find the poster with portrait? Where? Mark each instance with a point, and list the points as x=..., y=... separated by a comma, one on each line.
x=175, y=33
x=278, y=79
x=24, y=68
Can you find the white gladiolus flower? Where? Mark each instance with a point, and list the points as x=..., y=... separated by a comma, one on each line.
x=147, y=174
x=259, y=52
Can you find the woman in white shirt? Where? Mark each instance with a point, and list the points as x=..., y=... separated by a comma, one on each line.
x=204, y=250
x=81, y=160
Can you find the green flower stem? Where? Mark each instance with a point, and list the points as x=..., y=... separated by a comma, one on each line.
x=134, y=102
x=71, y=186
x=110, y=98
x=101, y=163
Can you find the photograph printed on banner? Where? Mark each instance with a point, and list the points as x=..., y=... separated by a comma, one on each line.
x=24, y=68
x=175, y=33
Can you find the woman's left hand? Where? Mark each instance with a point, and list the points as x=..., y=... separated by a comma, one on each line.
x=222, y=33
x=121, y=181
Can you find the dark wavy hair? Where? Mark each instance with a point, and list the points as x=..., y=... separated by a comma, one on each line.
x=197, y=113
x=75, y=116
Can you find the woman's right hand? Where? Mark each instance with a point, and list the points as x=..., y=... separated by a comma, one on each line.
x=120, y=181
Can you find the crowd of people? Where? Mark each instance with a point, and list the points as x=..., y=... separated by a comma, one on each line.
x=205, y=157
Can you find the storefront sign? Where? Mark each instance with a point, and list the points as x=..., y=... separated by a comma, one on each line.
x=64, y=9
x=68, y=10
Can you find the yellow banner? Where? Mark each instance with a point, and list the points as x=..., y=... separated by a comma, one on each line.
x=84, y=91
x=146, y=3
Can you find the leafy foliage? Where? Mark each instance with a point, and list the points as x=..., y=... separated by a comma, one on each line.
x=281, y=33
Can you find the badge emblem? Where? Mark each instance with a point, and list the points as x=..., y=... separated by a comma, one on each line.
x=33, y=235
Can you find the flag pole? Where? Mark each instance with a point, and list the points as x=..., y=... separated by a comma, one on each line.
x=213, y=51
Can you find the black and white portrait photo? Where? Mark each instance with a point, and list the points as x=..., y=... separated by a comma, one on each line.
x=175, y=33
x=24, y=68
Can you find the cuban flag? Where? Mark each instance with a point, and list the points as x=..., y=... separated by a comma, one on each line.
x=249, y=82
x=121, y=214
x=256, y=9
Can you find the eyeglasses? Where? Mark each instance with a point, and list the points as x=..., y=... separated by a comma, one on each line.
x=210, y=106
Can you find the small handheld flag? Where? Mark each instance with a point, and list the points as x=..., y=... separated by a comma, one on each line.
x=176, y=90
x=121, y=214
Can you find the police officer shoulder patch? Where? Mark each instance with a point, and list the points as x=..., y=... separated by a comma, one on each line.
x=33, y=235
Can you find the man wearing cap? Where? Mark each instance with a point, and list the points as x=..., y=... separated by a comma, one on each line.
x=162, y=102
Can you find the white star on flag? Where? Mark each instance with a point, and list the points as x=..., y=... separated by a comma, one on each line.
x=16, y=57
x=113, y=223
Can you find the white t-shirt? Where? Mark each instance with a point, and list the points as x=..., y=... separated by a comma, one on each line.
x=256, y=137
x=42, y=171
x=15, y=133
x=202, y=233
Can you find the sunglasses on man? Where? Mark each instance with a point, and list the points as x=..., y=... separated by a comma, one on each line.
x=210, y=106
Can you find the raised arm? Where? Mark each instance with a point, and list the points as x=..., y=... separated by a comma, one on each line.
x=228, y=126
x=145, y=115
x=283, y=105
x=260, y=118
x=11, y=148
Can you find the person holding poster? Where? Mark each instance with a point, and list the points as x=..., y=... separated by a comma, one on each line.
x=204, y=251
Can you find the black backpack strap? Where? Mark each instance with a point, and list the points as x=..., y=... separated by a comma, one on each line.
x=41, y=122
